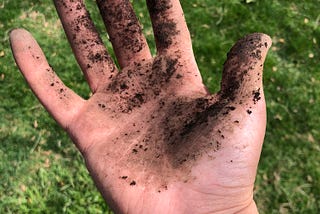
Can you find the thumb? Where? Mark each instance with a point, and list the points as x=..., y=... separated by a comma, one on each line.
x=242, y=73
x=242, y=93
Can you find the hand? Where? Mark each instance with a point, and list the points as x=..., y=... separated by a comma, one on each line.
x=153, y=138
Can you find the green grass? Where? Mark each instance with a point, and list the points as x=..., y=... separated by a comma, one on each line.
x=40, y=169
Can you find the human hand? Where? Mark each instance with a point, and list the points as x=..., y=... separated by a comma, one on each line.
x=153, y=138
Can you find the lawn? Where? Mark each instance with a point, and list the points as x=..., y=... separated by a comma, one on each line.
x=41, y=170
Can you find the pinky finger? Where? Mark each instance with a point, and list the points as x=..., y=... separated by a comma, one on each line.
x=61, y=102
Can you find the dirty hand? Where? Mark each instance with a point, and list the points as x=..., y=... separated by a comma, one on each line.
x=153, y=138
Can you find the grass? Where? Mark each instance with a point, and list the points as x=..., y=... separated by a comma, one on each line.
x=41, y=171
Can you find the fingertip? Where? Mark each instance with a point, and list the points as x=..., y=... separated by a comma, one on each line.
x=14, y=31
x=264, y=38
x=18, y=34
x=251, y=47
x=267, y=39
x=259, y=41
x=13, y=35
x=21, y=40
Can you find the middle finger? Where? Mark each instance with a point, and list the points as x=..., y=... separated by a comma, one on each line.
x=124, y=30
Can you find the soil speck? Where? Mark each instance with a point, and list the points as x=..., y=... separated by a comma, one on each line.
x=133, y=183
x=256, y=96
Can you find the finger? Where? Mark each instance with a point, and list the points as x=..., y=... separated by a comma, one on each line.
x=169, y=26
x=86, y=43
x=124, y=31
x=61, y=102
x=242, y=74
x=239, y=115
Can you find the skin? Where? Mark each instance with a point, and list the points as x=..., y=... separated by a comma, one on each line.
x=153, y=138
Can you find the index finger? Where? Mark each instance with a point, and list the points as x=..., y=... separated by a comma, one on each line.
x=169, y=26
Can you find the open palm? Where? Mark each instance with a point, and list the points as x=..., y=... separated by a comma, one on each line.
x=154, y=139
